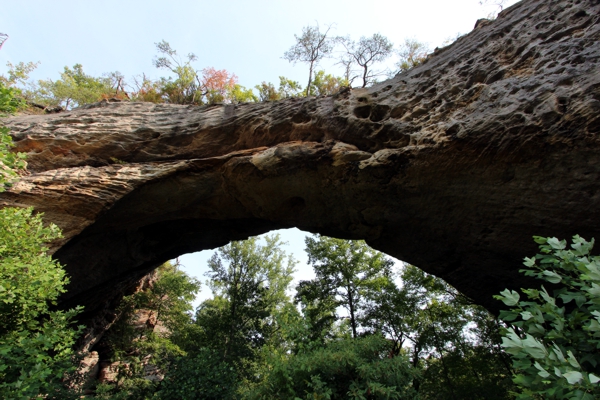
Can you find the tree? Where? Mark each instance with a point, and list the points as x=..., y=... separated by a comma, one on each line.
x=74, y=88
x=146, y=90
x=185, y=88
x=217, y=85
x=189, y=87
x=345, y=271
x=249, y=282
x=18, y=79
x=18, y=75
x=289, y=88
x=453, y=342
x=554, y=337
x=411, y=53
x=35, y=342
x=367, y=52
x=169, y=299
x=157, y=342
x=9, y=101
x=311, y=47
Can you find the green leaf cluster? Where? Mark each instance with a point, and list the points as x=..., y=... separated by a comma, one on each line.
x=324, y=84
x=343, y=369
x=74, y=88
x=10, y=163
x=35, y=342
x=554, y=337
x=10, y=100
x=287, y=89
x=347, y=272
x=203, y=375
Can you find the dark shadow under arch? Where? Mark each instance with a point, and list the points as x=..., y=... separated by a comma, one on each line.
x=451, y=166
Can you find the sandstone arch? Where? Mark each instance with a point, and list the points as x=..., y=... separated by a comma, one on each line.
x=452, y=166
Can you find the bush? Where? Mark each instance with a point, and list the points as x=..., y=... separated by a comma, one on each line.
x=554, y=339
x=201, y=376
x=9, y=100
x=344, y=369
x=35, y=343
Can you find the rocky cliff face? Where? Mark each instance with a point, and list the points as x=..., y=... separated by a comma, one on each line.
x=451, y=166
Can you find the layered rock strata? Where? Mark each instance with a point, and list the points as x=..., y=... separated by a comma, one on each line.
x=451, y=166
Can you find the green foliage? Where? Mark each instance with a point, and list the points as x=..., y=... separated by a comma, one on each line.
x=346, y=272
x=74, y=88
x=411, y=53
x=10, y=162
x=249, y=281
x=466, y=372
x=326, y=84
x=147, y=90
x=35, y=343
x=15, y=88
x=554, y=337
x=448, y=337
x=10, y=101
x=311, y=47
x=170, y=297
x=165, y=306
x=344, y=369
x=239, y=94
x=267, y=92
x=185, y=87
x=202, y=376
x=287, y=89
x=18, y=74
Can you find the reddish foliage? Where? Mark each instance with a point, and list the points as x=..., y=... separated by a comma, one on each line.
x=218, y=81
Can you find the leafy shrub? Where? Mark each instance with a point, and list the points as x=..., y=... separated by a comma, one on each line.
x=202, y=376
x=35, y=343
x=9, y=100
x=344, y=369
x=554, y=339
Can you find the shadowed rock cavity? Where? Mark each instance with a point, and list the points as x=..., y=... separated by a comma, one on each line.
x=452, y=166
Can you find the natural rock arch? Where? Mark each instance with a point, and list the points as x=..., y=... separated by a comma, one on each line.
x=451, y=166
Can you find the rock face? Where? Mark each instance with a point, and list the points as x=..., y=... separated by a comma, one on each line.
x=451, y=166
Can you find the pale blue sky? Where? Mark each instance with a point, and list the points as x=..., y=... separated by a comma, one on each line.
x=246, y=37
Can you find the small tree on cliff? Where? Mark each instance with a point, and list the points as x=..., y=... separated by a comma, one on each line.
x=411, y=53
x=311, y=47
x=185, y=88
x=366, y=52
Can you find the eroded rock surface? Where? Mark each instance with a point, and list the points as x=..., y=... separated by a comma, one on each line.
x=451, y=166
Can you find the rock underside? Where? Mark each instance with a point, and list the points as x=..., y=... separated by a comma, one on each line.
x=452, y=166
